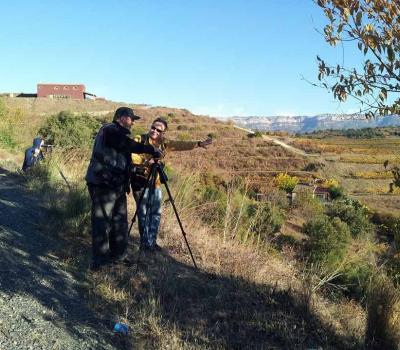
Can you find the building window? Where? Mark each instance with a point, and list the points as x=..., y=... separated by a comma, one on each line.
x=55, y=87
x=66, y=87
x=75, y=88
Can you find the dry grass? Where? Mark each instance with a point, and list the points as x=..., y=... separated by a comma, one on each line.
x=383, y=324
x=240, y=298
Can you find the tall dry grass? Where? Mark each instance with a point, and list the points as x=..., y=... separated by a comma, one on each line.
x=383, y=314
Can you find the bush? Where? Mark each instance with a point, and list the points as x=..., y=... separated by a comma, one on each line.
x=328, y=241
x=387, y=225
x=286, y=182
x=10, y=121
x=267, y=219
x=336, y=192
x=307, y=205
x=139, y=130
x=184, y=136
x=356, y=273
x=214, y=213
x=68, y=131
x=313, y=166
x=354, y=214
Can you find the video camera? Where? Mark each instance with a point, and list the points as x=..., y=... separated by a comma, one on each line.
x=48, y=148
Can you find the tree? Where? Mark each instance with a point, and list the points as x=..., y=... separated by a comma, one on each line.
x=286, y=182
x=374, y=27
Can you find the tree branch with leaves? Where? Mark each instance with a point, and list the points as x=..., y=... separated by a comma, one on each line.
x=374, y=26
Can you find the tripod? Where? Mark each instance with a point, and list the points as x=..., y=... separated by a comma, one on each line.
x=157, y=168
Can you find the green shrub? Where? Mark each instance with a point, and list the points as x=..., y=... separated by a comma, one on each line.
x=393, y=269
x=184, y=136
x=354, y=214
x=74, y=209
x=170, y=117
x=10, y=121
x=313, y=166
x=278, y=197
x=336, y=192
x=308, y=206
x=69, y=131
x=387, y=224
x=267, y=219
x=139, y=130
x=42, y=176
x=355, y=276
x=216, y=200
x=328, y=241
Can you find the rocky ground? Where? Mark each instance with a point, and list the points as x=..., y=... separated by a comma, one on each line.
x=42, y=304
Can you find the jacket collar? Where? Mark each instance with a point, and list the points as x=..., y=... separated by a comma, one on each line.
x=121, y=128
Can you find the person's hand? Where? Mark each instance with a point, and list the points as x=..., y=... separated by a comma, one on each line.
x=204, y=144
x=157, y=153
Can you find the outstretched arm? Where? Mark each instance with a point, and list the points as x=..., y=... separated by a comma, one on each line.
x=205, y=143
x=174, y=145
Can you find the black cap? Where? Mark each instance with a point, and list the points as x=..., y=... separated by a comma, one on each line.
x=125, y=112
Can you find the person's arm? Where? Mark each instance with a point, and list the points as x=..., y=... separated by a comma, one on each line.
x=123, y=143
x=175, y=145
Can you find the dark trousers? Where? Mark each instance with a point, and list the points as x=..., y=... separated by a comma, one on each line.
x=109, y=223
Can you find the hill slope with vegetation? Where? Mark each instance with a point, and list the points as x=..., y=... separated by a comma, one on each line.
x=272, y=274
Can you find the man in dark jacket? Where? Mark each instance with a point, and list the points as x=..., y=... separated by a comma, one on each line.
x=107, y=178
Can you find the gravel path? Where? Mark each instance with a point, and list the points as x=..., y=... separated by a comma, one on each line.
x=42, y=306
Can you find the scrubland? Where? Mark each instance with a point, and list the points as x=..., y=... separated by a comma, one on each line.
x=271, y=275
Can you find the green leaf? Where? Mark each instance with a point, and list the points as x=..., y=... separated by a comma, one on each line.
x=358, y=18
x=390, y=53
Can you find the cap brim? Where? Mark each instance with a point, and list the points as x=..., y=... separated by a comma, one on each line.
x=135, y=117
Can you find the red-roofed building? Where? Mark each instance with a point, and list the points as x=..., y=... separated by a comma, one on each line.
x=76, y=91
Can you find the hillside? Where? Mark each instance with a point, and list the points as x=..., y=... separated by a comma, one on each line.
x=271, y=275
x=235, y=153
x=357, y=163
x=303, y=124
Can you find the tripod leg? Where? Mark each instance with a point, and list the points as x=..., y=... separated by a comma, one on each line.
x=139, y=201
x=147, y=220
x=163, y=177
x=149, y=185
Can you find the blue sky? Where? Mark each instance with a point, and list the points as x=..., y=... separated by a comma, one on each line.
x=220, y=58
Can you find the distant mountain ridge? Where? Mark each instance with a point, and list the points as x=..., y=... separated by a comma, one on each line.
x=302, y=124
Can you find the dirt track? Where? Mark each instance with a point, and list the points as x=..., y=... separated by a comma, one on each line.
x=281, y=143
x=42, y=306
